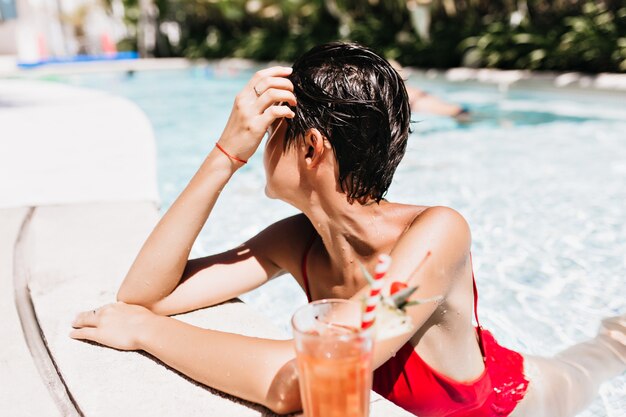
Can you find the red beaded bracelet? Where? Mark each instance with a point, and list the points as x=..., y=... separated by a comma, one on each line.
x=229, y=155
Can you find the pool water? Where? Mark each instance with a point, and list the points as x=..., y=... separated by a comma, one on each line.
x=539, y=175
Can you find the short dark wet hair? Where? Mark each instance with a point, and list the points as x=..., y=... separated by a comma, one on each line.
x=357, y=100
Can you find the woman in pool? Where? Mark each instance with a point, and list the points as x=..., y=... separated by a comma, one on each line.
x=338, y=125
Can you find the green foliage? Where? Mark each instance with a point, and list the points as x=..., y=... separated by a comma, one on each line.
x=591, y=38
x=126, y=45
x=581, y=35
x=261, y=30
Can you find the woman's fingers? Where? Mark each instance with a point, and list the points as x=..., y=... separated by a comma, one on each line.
x=266, y=83
x=273, y=96
x=276, y=112
x=269, y=79
x=253, y=110
x=268, y=72
x=86, y=319
x=89, y=333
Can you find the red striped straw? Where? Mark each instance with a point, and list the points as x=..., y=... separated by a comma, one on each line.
x=369, y=316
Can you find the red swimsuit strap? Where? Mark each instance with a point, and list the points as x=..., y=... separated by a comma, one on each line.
x=305, y=278
x=479, y=329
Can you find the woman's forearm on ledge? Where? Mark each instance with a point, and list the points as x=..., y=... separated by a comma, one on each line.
x=159, y=266
x=255, y=369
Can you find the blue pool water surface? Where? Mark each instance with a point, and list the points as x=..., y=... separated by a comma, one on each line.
x=540, y=176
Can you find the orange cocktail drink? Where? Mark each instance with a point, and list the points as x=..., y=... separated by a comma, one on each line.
x=334, y=358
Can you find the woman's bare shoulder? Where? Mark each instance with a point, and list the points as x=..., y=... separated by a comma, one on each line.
x=284, y=240
x=428, y=216
x=292, y=228
x=439, y=226
x=445, y=217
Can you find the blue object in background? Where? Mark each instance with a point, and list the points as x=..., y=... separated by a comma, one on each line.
x=79, y=58
x=8, y=10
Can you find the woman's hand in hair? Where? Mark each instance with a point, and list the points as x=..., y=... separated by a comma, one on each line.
x=263, y=100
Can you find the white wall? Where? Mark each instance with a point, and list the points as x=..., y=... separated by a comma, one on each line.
x=8, y=44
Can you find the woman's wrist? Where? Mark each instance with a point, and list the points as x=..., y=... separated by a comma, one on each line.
x=222, y=161
x=215, y=171
x=229, y=155
x=146, y=332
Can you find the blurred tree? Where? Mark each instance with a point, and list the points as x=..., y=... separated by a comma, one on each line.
x=76, y=20
x=582, y=35
x=587, y=36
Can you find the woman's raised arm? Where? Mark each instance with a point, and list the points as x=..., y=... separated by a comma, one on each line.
x=159, y=266
x=163, y=281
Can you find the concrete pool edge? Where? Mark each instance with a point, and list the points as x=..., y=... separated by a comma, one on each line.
x=33, y=334
x=72, y=242
x=513, y=79
x=505, y=79
x=21, y=382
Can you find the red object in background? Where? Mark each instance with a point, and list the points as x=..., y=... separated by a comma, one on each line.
x=42, y=48
x=107, y=45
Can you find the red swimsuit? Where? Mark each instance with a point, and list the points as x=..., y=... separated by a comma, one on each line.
x=411, y=383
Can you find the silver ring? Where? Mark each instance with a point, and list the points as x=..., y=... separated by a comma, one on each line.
x=256, y=91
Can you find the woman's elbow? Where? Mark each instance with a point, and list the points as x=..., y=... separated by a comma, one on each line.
x=126, y=296
x=286, y=407
x=129, y=297
x=123, y=296
x=283, y=396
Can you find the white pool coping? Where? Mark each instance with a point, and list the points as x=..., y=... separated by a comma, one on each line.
x=61, y=144
x=506, y=80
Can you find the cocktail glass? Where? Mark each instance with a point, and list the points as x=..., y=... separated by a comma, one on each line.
x=334, y=357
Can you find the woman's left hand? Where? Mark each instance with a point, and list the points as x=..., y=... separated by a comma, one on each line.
x=117, y=325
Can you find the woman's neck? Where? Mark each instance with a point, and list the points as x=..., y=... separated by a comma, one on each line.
x=350, y=232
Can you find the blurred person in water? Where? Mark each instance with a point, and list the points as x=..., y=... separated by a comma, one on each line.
x=338, y=124
x=423, y=102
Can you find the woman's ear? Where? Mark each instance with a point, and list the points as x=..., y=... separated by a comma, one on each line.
x=315, y=148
